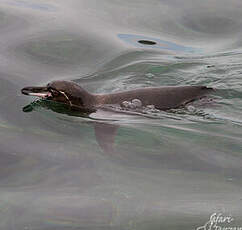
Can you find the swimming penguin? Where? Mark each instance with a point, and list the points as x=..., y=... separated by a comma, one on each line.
x=163, y=98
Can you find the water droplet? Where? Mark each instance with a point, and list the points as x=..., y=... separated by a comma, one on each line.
x=137, y=103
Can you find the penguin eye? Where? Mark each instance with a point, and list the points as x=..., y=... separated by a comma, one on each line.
x=53, y=91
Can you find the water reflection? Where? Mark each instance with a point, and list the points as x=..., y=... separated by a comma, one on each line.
x=63, y=171
x=143, y=42
x=104, y=132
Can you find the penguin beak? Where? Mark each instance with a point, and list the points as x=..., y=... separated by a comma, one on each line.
x=36, y=91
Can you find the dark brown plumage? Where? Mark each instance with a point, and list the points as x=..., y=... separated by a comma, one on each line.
x=163, y=98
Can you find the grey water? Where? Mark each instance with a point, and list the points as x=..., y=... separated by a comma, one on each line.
x=111, y=170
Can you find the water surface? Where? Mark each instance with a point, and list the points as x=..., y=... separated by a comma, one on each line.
x=119, y=171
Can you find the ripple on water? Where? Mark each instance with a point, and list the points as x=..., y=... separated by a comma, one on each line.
x=211, y=24
x=69, y=50
x=32, y=5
